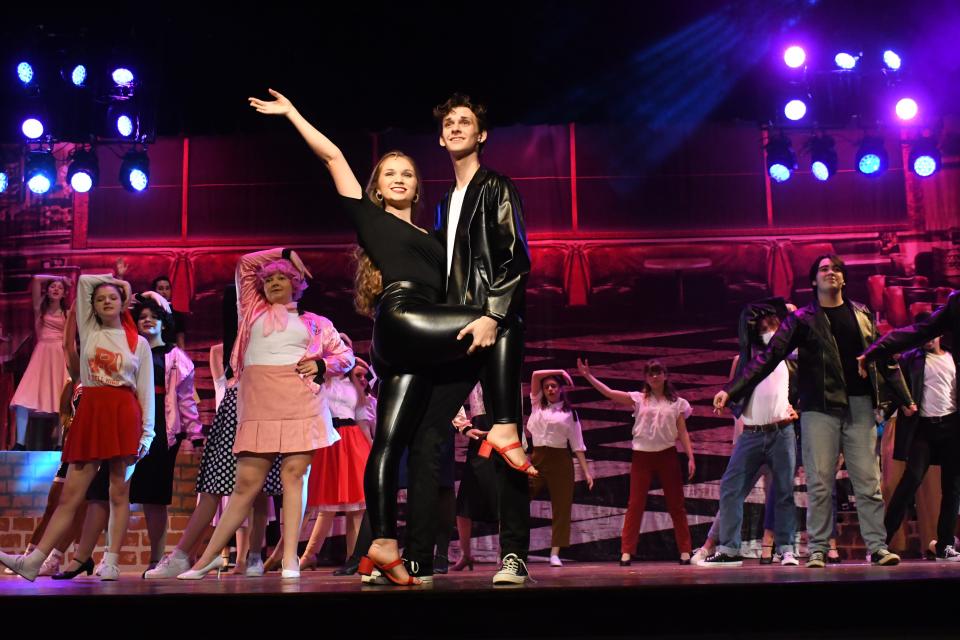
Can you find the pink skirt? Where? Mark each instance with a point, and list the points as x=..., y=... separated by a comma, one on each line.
x=336, y=478
x=278, y=413
x=39, y=389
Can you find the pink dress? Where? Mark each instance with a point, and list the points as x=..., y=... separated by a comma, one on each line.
x=43, y=381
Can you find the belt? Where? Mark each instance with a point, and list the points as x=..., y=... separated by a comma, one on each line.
x=766, y=428
x=344, y=422
x=950, y=417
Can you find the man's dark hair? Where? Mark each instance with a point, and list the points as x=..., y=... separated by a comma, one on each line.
x=461, y=100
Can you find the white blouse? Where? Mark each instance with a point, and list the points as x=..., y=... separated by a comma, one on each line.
x=342, y=398
x=552, y=426
x=655, y=421
x=280, y=347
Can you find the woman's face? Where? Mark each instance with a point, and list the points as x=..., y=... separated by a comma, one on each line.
x=397, y=182
x=148, y=324
x=164, y=289
x=656, y=378
x=551, y=390
x=107, y=303
x=358, y=376
x=56, y=290
x=278, y=288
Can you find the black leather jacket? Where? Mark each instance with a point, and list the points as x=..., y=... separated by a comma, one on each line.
x=820, y=377
x=944, y=320
x=913, y=364
x=491, y=260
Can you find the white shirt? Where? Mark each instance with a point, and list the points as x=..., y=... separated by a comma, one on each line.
x=342, y=398
x=770, y=402
x=552, y=426
x=655, y=421
x=280, y=347
x=453, y=221
x=939, y=386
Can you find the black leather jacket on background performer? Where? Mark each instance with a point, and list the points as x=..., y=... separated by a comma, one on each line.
x=820, y=378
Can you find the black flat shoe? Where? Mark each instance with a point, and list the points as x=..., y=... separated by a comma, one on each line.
x=625, y=563
x=85, y=567
x=834, y=560
x=441, y=564
x=348, y=569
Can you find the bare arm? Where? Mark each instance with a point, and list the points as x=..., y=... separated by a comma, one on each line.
x=536, y=380
x=620, y=397
x=582, y=459
x=733, y=367
x=684, y=437
x=343, y=177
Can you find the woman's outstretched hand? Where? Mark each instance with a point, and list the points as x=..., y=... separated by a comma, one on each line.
x=279, y=107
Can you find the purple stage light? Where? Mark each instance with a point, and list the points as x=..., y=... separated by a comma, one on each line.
x=32, y=128
x=845, y=61
x=125, y=126
x=795, y=109
x=907, y=109
x=794, y=56
x=122, y=77
x=892, y=60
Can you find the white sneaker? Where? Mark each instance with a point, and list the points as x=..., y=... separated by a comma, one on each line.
x=555, y=561
x=254, y=566
x=51, y=566
x=168, y=567
x=949, y=555
x=699, y=556
x=98, y=570
x=789, y=560
x=109, y=572
x=19, y=565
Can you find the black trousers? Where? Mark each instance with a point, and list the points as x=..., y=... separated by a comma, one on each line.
x=499, y=371
x=943, y=439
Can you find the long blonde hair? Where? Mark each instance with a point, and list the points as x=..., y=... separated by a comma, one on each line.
x=368, y=281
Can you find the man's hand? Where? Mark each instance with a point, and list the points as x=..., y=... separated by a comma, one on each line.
x=720, y=401
x=484, y=332
x=862, y=366
x=909, y=411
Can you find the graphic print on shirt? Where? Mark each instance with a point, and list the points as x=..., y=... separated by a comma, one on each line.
x=106, y=365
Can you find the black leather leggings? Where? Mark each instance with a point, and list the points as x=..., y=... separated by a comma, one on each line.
x=415, y=344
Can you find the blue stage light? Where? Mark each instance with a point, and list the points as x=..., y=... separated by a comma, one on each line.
x=892, y=60
x=79, y=75
x=122, y=77
x=135, y=171
x=845, y=61
x=795, y=110
x=25, y=72
x=32, y=128
x=40, y=171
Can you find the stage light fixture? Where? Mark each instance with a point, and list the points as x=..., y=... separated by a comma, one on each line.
x=794, y=57
x=32, y=128
x=907, y=109
x=4, y=181
x=871, y=158
x=135, y=171
x=795, y=110
x=25, y=72
x=40, y=172
x=781, y=160
x=78, y=76
x=892, y=60
x=84, y=171
x=125, y=125
x=122, y=77
x=924, y=158
x=823, y=157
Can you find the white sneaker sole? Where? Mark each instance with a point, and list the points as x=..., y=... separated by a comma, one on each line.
x=508, y=578
x=721, y=565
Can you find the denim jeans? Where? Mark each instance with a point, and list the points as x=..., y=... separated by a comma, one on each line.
x=778, y=449
x=824, y=436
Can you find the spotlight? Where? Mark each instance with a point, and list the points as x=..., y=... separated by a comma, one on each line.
x=795, y=110
x=907, y=109
x=846, y=61
x=125, y=125
x=135, y=171
x=32, y=128
x=925, y=158
x=781, y=160
x=25, y=72
x=4, y=181
x=40, y=172
x=871, y=157
x=823, y=157
x=122, y=77
x=892, y=60
x=84, y=171
x=79, y=75
x=794, y=57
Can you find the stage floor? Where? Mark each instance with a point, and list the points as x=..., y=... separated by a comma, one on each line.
x=579, y=599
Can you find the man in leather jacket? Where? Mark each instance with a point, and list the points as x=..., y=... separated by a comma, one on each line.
x=932, y=436
x=480, y=222
x=837, y=405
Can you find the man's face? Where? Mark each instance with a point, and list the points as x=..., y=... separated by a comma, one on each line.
x=460, y=134
x=829, y=278
x=164, y=289
x=932, y=345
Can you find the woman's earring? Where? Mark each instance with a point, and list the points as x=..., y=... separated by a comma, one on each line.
x=379, y=196
x=416, y=198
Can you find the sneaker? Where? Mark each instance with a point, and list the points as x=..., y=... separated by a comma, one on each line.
x=254, y=566
x=884, y=558
x=375, y=577
x=720, y=559
x=19, y=565
x=51, y=566
x=555, y=561
x=949, y=554
x=168, y=567
x=109, y=572
x=789, y=560
x=817, y=560
x=419, y=570
x=98, y=569
x=513, y=570
x=699, y=556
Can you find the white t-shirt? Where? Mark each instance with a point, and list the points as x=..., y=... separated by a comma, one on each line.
x=453, y=221
x=655, y=421
x=769, y=403
x=939, y=386
x=342, y=398
x=552, y=426
x=280, y=347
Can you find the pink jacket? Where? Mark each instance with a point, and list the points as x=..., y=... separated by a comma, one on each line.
x=179, y=403
x=325, y=343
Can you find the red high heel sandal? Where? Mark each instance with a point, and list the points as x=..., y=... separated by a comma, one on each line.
x=368, y=564
x=486, y=447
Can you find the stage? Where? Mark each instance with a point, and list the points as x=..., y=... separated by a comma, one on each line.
x=577, y=600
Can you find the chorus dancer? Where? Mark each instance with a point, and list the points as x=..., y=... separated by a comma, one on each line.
x=46, y=373
x=280, y=358
x=660, y=419
x=553, y=427
x=401, y=282
x=114, y=421
x=218, y=468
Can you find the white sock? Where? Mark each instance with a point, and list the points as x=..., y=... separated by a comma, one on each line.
x=35, y=558
x=111, y=558
x=57, y=555
x=177, y=554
